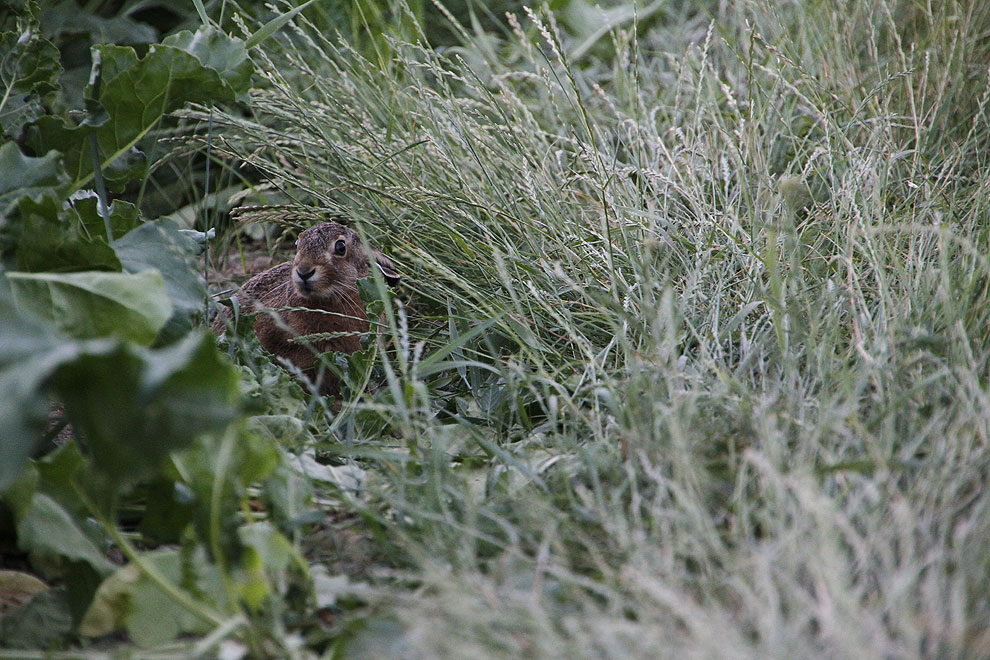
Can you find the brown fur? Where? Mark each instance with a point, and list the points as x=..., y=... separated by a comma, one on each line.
x=321, y=280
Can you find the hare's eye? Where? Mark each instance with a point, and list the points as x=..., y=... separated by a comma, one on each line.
x=340, y=248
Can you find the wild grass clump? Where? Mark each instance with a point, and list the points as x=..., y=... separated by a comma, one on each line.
x=693, y=355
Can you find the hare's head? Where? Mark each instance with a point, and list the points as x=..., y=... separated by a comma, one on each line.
x=330, y=258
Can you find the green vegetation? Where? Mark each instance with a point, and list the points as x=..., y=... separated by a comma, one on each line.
x=691, y=356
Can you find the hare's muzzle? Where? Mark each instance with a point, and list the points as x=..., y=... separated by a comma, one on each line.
x=304, y=276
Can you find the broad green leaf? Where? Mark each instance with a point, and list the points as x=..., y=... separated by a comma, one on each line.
x=50, y=239
x=135, y=406
x=157, y=400
x=288, y=496
x=49, y=530
x=94, y=304
x=195, y=386
x=28, y=354
x=124, y=216
x=168, y=511
x=266, y=553
x=69, y=17
x=130, y=599
x=52, y=133
x=162, y=246
x=224, y=54
x=26, y=176
x=65, y=474
x=144, y=621
x=135, y=92
x=57, y=471
x=21, y=338
x=229, y=462
x=274, y=550
x=111, y=603
x=252, y=460
x=29, y=72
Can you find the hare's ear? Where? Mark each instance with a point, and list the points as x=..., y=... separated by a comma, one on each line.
x=388, y=269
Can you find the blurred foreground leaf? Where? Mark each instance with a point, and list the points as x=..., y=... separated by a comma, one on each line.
x=24, y=176
x=42, y=622
x=95, y=304
x=28, y=353
x=51, y=238
x=130, y=599
x=16, y=588
x=134, y=406
x=267, y=555
x=162, y=246
x=47, y=528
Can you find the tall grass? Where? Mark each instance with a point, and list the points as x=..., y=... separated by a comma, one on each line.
x=692, y=359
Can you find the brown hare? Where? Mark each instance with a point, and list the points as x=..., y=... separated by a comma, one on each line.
x=315, y=293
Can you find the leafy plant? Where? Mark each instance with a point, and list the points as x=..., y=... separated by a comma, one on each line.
x=102, y=343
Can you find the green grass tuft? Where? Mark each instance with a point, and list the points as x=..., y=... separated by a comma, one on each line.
x=692, y=355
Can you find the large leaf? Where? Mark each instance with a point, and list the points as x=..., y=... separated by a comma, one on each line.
x=26, y=176
x=168, y=511
x=29, y=72
x=232, y=464
x=136, y=92
x=49, y=238
x=27, y=356
x=123, y=166
x=48, y=529
x=62, y=472
x=69, y=17
x=134, y=406
x=196, y=388
x=267, y=555
x=215, y=50
x=123, y=216
x=131, y=599
x=160, y=245
x=21, y=338
x=95, y=304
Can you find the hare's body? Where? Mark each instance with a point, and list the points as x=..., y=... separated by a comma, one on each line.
x=314, y=294
x=273, y=290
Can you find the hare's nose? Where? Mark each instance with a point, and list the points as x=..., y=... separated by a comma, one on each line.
x=305, y=273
